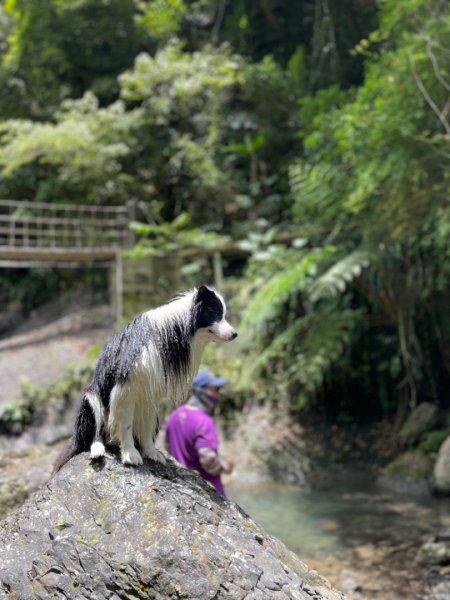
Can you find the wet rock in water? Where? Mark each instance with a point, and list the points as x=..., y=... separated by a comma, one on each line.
x=441, y=472
x=108, y=532
x=439, y=590
x=435, y=555
x=436, y=550
x=408, y=474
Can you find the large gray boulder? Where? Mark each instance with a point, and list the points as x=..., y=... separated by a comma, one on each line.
x=442, y=468
x=421, y=419
x=111, y=532
x=408, y=474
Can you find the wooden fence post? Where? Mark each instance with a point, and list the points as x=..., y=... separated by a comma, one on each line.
x=218, y=270
x=116, y=286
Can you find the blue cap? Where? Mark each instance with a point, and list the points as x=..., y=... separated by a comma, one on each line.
x=206, y=378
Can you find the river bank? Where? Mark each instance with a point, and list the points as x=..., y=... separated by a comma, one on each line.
x=323, y=490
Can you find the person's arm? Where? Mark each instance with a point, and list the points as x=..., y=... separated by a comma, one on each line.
x=209, y=459
x=212, y=463
x=206, y=446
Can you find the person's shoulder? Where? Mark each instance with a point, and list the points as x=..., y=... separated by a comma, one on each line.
x=177, y=410
x=204, y=418
x=205, y=415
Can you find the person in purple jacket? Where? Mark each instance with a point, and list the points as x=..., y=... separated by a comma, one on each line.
x=191, y=434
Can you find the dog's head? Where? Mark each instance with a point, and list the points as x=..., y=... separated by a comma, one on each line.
x=210, y=313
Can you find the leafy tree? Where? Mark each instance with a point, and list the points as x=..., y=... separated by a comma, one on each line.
x=58, y=49
x=245, y=117
x=320, y=33
x=177, y=138
x=373, y=182
x=161, y=19
x=77, y=158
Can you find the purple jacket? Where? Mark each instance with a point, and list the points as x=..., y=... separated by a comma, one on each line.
x=188, y=429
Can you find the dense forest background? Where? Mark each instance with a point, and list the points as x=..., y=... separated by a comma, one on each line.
x=313, y=132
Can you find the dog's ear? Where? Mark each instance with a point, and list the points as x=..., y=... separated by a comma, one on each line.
x=204, y=290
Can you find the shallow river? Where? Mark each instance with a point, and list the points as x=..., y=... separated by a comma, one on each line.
x=363, y=540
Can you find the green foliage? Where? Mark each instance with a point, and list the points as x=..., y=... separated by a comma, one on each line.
x=431, y=441
x=372, y=182
x=161, y=18
x=30, y=289
x=239, y=121
x=325, y=32
x=35, y=400
x=335, y=280
x=281, y=286
x=74, y=380
x=79, y=155
x=377, y=179
x=299, y=340
x=60, y=49
x=160, y=240
x=16, y=414
x=175, y=140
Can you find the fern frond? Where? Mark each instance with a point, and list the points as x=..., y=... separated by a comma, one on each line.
x=266, y=303
x=323, y=345
x=308, y=347
x=277, y=348
x=334, y=281
x=313, y=186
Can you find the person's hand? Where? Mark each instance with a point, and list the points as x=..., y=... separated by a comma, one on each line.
x=227, y=466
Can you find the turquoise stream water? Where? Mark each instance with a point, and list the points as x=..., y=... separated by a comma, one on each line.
x=372, y=535
x=315, y=523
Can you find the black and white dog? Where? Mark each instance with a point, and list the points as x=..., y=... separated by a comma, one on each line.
x=153, y=358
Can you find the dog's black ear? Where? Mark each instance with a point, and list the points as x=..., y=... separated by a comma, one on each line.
x=205, y=290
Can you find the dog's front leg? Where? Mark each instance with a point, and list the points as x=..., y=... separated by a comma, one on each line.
x=148, y=436
x=129, y=453
x=121, y=419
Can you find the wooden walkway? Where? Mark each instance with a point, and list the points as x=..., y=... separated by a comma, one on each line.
x=61, y=231
x=73, y=236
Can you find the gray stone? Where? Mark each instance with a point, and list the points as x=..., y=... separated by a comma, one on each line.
x=111, y=532
x=441, y=472
x=421, y=419
x=434, y=552
x=408, y=474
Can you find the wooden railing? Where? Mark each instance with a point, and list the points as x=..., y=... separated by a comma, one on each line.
x=39, y=225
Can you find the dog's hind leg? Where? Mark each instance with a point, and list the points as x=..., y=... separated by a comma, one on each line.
x=122, y=405
x=97, y=447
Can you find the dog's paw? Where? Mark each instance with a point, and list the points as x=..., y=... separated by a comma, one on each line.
x=131, y=457
x=97, y=450
x=155, y=454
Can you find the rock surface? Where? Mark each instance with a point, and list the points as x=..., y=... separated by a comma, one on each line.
x=22, y=472
x=422, y=418
x=408, y=474
x=434, y=554
x=442, y=468
x=110, y=532
x=266, y=444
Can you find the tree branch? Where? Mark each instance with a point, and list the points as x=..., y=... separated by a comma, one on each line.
x=428, y=99
x=436, y=69
x=218, y=22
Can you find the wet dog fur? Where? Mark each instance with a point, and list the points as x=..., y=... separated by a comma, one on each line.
x=152, y=359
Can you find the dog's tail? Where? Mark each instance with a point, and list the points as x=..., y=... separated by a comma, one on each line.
x=83, y=434
x=69, y=450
